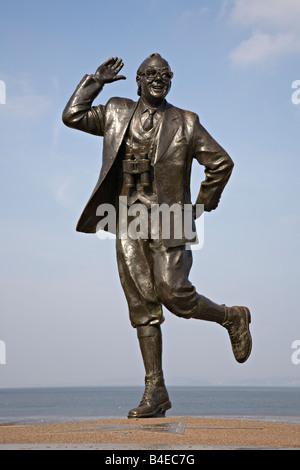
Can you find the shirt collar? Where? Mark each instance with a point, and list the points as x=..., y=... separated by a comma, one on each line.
x=145, y=107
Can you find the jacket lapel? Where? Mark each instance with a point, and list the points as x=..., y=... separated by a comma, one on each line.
x=113, y=140
x=169, y=128
x=122, y=125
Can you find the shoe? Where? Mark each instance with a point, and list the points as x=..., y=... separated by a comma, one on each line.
x=237, y=322
x=155, y=401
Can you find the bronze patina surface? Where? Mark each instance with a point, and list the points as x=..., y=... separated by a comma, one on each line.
x=148, y=149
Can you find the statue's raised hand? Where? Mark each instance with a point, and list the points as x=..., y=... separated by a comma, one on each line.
x=108, y=71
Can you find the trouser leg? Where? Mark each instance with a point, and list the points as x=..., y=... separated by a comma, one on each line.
x=171, y=269
x=135, y=267
x=152, y=275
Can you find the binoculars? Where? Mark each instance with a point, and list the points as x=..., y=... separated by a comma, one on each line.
x=136, y=170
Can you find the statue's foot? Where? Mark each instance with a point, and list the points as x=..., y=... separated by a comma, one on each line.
x=237, y=324
x=150, y=410
x=155, y=401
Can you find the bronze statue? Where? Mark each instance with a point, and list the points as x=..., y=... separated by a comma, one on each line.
x=148, y=149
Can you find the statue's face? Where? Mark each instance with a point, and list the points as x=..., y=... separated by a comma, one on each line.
x=155, y=80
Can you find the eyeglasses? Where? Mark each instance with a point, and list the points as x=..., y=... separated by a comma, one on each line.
x=152, y=73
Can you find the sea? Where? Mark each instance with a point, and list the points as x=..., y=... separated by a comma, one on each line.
x=67, y=404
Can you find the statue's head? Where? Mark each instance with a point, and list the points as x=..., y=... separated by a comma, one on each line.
x=154, y=79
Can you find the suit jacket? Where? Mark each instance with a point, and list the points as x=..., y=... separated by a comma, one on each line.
x=181, y=138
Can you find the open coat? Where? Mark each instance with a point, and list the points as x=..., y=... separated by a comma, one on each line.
x=181, y=138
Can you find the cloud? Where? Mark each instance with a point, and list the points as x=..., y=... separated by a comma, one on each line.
x=274, y=13
x=275, y=30
x=23, y=100
x=71, y=190
x=193, y=13
x=262, y=46
x=27, y=106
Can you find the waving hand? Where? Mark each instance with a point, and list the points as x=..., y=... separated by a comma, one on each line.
x=108, y=71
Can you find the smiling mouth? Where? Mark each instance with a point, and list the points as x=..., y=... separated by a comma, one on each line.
x=158, y=87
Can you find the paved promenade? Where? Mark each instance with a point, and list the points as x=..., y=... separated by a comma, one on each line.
x=182, y=433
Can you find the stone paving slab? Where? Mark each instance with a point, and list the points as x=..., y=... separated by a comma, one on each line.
x=152, y=434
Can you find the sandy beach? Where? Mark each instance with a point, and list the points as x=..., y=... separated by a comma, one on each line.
x=157, y=433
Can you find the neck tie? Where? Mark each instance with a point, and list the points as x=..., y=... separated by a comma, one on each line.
x=148, y=124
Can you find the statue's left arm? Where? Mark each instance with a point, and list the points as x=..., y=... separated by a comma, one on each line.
x=218, y=167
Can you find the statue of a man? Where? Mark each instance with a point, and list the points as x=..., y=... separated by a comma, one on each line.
x=148, y=149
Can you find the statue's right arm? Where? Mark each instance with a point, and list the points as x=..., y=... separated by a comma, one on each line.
x=79, y=113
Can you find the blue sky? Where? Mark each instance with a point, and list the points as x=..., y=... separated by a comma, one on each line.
x=64, y=318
